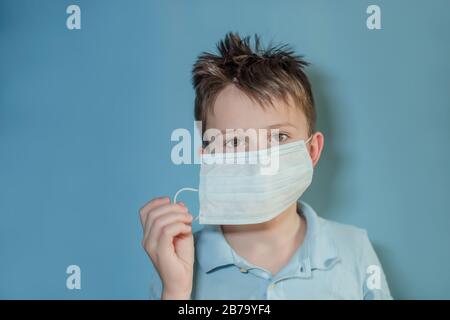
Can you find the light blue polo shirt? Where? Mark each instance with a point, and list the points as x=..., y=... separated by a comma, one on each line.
x=335, y=261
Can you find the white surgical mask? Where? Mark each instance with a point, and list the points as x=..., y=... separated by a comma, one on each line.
x=256, y=191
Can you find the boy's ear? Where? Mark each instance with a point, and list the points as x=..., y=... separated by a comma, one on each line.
x=316, y=147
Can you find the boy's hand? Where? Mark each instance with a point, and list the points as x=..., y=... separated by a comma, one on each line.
x=169, y=242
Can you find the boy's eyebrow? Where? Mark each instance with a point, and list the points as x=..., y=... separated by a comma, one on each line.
x=284, y=124
x=276, y=125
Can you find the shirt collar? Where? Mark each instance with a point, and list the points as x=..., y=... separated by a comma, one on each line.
x=318, y=248
x=317, y=251
x=212, y=249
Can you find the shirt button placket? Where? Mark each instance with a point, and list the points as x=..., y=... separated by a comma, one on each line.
x=270, y=290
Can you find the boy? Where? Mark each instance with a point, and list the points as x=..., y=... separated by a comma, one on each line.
x=283, y=254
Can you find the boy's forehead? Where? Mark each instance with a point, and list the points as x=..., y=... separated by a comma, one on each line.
x=234, y=109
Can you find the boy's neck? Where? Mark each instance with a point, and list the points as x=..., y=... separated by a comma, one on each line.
x=284, y=234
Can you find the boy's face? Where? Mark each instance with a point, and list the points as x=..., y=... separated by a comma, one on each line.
x=233, y=109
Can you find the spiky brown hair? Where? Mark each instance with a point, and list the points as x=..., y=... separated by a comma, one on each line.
x=261, y=73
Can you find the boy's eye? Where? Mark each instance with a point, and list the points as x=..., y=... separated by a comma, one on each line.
x=279, y=137
x=233, y=142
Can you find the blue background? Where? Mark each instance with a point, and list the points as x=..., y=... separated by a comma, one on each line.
x=86, y=118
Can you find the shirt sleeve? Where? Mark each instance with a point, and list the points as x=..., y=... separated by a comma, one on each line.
x=375, y=286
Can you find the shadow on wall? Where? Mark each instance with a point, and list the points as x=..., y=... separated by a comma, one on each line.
x=325, y=192
x=387, y=261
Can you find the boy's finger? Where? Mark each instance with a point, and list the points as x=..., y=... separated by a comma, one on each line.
x=170, y=231
x=143, y=212
x=146, y=209
x=161, y=210
x=159, y=224
x=152, y=204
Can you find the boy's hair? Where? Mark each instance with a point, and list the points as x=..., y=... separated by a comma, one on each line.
x=261, y=73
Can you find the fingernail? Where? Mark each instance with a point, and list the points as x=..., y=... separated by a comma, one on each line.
x=181, y=203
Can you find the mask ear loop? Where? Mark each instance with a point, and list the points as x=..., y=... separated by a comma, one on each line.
x=309, y=139
x=181, y=190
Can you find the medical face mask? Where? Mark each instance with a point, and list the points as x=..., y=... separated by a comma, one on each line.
x=252, y=187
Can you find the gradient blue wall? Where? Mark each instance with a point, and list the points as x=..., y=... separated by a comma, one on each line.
x=86, y=118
